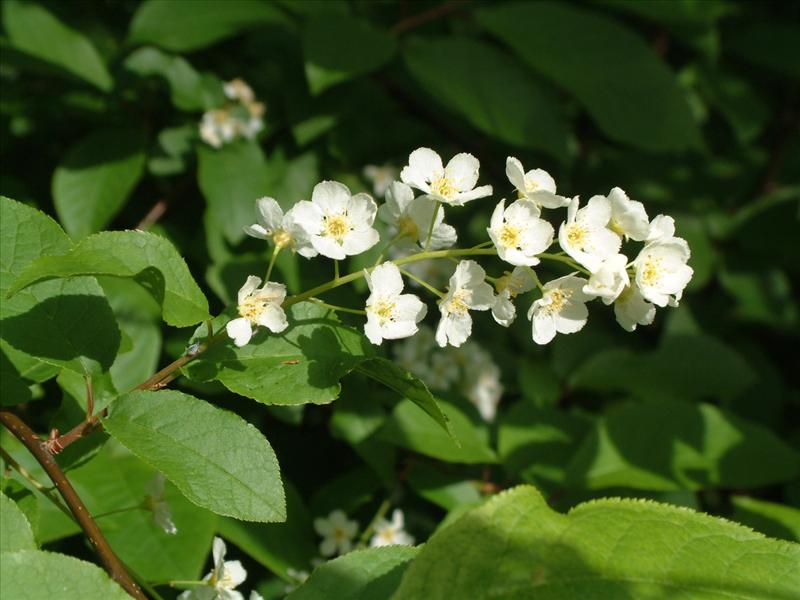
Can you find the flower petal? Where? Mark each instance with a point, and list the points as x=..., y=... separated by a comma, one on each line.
x=424, y=165
x=270, y=214
x=331, y=196
x=462, y=171
x=515, y=173
x=240, y=331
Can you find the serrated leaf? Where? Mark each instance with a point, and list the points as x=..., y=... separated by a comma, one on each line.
x=629, y=92
x=338, y=47
x=218, y=460
x=35, y=30
x=490, y=90
x=95, y=178
x=410, y=427
x=194, y=24
x=301, y=365
x=232, y=178
x=189, y=90
x=515, y=546
x=32, y=574
x=359, y=575
x=15, y=531
x=149, y=259
x=407, y=385
x=770, y=518
x=664, y=445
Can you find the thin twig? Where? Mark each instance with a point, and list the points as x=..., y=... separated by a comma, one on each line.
x=76, y=506
x=434, y=13
x=28, y=476
x=153, y=216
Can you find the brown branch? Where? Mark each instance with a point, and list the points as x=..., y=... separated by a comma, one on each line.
x=153, y=216
x=434, y=13
x=76, y=506
x=28, y=476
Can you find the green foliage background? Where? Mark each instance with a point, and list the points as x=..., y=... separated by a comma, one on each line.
x=690, y=106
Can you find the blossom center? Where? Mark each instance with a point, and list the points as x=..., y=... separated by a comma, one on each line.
x=281, y=238
x=651, y=272
x=531, y=185
x=558, y=300
x=407, y=227
x=336, y=226
x=510, y=236
x=384, y=309
x=442, y=186
x=576, y=235
x=254, y=306
x=458, y=303
x=615, y=226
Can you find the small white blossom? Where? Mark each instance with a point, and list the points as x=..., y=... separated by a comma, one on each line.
x=482, y=384
x=298, y=578
x=241, y=117
x=468, y=291
x=282, y=229
x=237, y=89
x=510, y=285
x=412, y=217
x=154, y=501
x=561, y=309
x=518, y=233
x=390, y=533
x=584, y=235
x=380, y=177
x=390, y=314
x=662, y=272
x=628, y=217
x=337, y=223
x=217, y=127
x=662, y=227
x=337, y=532
x=223, y=579
x=257, y=307
x=631, y=309
x=453, y=184
x=536, y=185
x=609, y=280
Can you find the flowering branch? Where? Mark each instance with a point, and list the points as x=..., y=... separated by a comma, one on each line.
x=37, y=447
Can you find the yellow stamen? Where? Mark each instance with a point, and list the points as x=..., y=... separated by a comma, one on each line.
x=458, y=303
x=443, y=187
x=336, y=226
x=558, y=299
x=384, y=309
x=576, y=235
x=510, y=236
x=651, y=272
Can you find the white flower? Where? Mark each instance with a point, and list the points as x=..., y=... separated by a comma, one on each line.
x=609, y=280
x=221, y=581
x=390, y=314
x=518, y=233
x=662, y=272
x=154, y=502
x=380, y=177
x=390, y=533
x=412, y=217
x=628, y=217
x=561, y=309
x=298, y=578
x=468, y=291
x=662, y=227
x=584, y=235
x=337, y=223
x=237, y=89
x=258, y=307
x=282, y=229
x=536, y=185
x=482, y=384
x=631, y=309
x=217, y=127
x=510, y=285
x=453, y=184
x=337, y=533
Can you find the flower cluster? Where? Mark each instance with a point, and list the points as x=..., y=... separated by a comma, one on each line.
x=241, y=116
x=336, y=224
x=222, y=581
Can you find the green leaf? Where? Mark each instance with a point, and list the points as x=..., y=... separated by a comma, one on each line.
x=194, y=24
x=770, y=518
x=301, y=365
x=444, y=489
x=34, y=30
x=149, y=259
x=217, y=459
x=677, y=445
x=232, y=179
x=359, y=575
x=339, y=47
x=95, y=179
x=30, y=574
x=15, y=531
x=411, y=428
x=13, y=389
x=277, y=546
x=767, y=44
x=491, y=90
x=407, y=385
x=515, y=546
x=189, y=90
x=629, y=92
